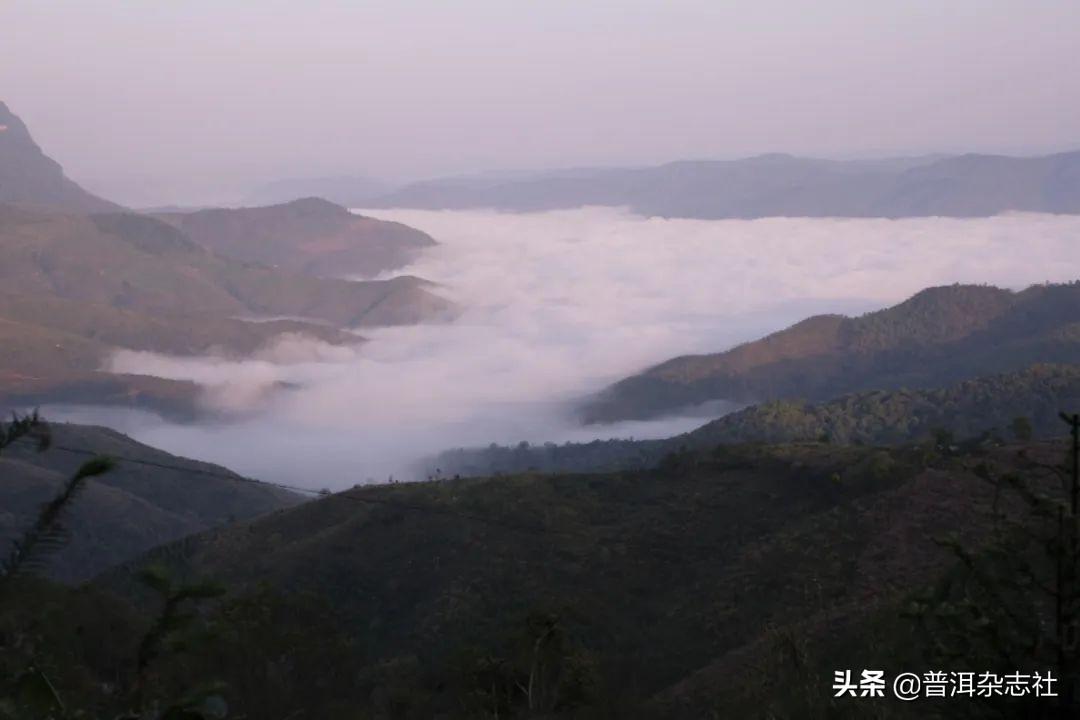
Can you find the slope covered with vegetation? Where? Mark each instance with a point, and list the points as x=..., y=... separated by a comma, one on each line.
x=150, y=497
x=939, y=336
x=990, y=405
x=1026, y=402
x=729, y=582
x=611, y=595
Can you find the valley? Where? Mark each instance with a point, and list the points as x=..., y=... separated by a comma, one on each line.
x=365, y=373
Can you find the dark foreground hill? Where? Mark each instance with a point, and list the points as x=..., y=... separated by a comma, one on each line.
x=781, y=185
x=996, y=406
x=939, y=336
x=149, y=498
x=664, y=593
x=29, y=177
x=309, y=236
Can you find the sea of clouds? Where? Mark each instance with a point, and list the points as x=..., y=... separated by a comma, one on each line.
x=555, y=306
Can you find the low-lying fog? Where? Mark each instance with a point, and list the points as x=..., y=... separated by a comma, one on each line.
x=555, y=306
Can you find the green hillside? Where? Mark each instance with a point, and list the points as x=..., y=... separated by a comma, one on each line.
x=665, y=593
x=939, y=336
x=984, y=405
x=987, y=405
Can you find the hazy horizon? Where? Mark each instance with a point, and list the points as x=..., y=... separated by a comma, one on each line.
x=201, y=102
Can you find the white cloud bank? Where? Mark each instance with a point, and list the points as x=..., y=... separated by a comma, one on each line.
x=557, y=305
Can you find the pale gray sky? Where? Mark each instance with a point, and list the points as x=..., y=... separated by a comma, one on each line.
x=196, y=101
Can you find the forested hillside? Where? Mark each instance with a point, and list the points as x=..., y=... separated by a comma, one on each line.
x=660, y=593
x=383, y=258
x=996, y=407
x=151, y=497
x=937, y=337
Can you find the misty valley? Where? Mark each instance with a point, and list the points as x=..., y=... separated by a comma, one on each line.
x=561, y=304
x=310, y=408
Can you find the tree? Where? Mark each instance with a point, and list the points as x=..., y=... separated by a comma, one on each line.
x=29, y=426
x=540, y=672
x=31, y=694
x=171, y=631
x=46, y=535
x=1013, y=602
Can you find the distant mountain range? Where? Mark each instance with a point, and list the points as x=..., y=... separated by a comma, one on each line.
x=939, y=336
x=141, y=503
x=778, y=185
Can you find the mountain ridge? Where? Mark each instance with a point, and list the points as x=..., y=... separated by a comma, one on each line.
x=151, y=497
x=936, y=337
x=700, y=573
x=120, y=280
x=348, y=190
x=30, y=178
x=310, y=235
x=982, y=410
x=83, y=277
x=778, y=185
